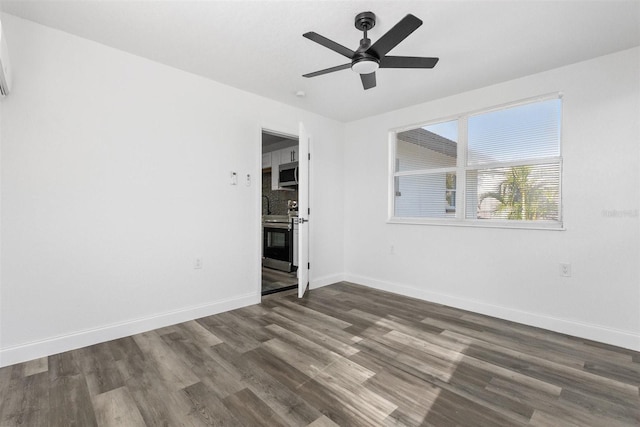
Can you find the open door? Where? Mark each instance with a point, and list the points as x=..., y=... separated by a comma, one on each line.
x=303, y=211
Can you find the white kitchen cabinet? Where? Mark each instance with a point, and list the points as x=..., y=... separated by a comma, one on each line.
x=288, y=155
x=275, y=166
x=266, y=160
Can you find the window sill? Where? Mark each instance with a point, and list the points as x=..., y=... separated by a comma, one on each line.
x=518, y=225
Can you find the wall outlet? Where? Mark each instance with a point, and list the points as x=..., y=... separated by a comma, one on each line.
x=197, y=263
x=565, y=270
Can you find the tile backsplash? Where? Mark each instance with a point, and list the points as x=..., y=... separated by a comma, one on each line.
x=277, y=198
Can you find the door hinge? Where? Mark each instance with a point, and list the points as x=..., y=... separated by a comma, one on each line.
x=308, y=266
x=309, y=154
x=308, y=211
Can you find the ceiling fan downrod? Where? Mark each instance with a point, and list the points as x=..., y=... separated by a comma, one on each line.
x=362, y=62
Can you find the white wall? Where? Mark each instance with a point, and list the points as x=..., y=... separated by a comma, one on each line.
x=115, y=176
x=514, y=274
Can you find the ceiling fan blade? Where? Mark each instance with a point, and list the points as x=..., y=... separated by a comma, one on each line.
x=368, y=80
x=407, y=62
x=344, y=51
x=394, y=36
x=328, y=70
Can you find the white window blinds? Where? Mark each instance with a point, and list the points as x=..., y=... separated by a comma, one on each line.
x=497, y=166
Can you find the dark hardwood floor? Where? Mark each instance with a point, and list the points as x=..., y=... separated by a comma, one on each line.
x=344, y=355
x=274, y=280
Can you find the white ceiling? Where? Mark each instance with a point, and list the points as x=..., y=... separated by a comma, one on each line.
x=258, y=46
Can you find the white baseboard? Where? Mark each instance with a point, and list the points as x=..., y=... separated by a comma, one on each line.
x=620, y=338
x=59, y=344
x=78, y=339
x=326, y=280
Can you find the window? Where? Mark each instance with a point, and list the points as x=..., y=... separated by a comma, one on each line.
x=495, y=167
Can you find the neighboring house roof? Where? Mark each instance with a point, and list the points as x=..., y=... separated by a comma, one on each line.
x=430, y=140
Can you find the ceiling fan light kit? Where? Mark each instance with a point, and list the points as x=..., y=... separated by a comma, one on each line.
x=369, y=57
x=365, y=66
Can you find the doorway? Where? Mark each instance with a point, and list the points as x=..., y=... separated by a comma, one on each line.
x=279, y=212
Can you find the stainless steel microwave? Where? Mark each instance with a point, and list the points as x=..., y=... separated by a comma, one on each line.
x=288, y=174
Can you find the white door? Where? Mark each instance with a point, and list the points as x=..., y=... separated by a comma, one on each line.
x=303, y=211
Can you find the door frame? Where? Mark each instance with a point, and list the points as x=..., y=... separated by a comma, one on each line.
x=275, y=129
x=304, y=203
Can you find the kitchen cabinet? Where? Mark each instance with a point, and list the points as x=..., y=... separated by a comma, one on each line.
x=266, y=160
x=275, y=166
x=288, y=155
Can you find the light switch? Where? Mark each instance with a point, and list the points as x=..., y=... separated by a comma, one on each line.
x=234, y=178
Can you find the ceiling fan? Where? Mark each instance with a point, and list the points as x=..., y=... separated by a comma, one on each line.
x=369, y=57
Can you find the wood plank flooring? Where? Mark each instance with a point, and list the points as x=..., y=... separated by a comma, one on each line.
x=274, y=279
x=344, y=355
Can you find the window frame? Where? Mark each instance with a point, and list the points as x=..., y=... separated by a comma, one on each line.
x=461, y=169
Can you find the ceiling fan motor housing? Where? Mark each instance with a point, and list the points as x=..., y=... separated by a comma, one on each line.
x=363, y=62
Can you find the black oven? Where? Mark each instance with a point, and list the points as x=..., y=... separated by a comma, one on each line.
x=278, y=246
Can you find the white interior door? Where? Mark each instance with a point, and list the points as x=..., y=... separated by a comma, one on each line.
x=303, y=211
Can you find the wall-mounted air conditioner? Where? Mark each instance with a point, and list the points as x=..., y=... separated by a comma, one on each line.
x=5, y=70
